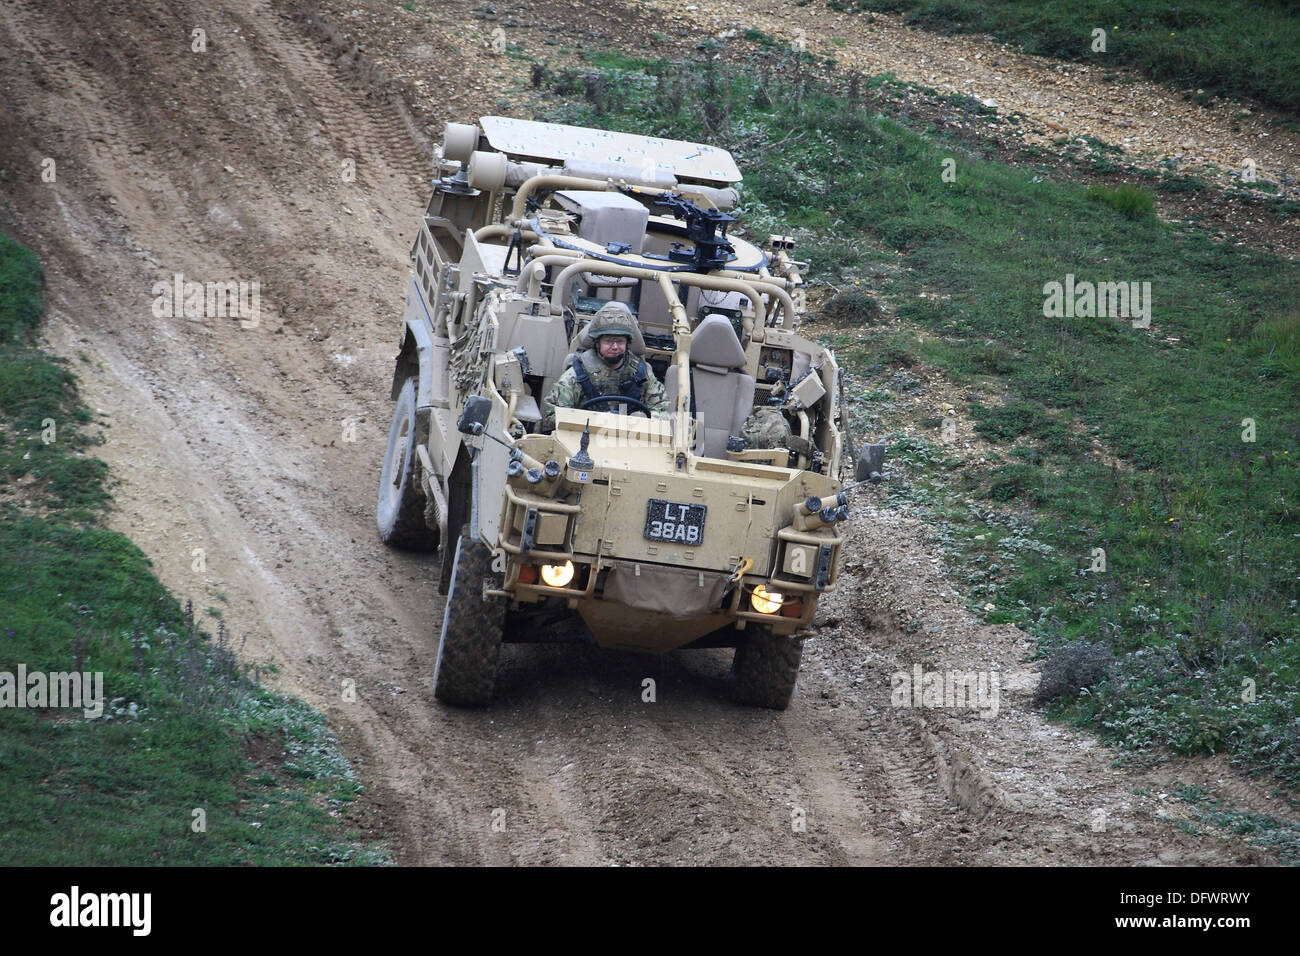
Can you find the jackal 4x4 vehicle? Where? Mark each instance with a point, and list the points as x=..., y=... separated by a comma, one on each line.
x=634, y=532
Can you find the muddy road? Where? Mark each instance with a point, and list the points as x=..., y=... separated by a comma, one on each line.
x=247, y=461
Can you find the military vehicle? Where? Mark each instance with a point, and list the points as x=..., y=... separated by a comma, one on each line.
x=629, y=531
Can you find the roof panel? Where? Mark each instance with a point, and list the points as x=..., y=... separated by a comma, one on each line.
x=558, y=142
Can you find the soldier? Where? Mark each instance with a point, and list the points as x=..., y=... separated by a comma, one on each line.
x=768, y=428
x=607, y=369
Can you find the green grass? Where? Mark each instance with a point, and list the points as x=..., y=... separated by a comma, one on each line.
x=1275, y=342
x=614, y=60
x=1130, y=201
x=1261, y=830
x=755, y=35
x=183, y=726
x=1229, y=47
x=43, y=452
x=21, y=280
x=1198, y=526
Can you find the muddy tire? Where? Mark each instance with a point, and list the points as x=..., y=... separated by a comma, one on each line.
x=766, y=668
x=470, y=645
x=400, y=512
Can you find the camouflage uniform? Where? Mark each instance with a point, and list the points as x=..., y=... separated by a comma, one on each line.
x=768, y=428
x=567, y=392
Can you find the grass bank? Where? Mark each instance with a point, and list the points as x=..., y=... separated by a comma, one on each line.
x=1227, y=47
x=190, y=761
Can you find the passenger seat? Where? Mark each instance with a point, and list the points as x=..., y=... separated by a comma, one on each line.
x=723, y=393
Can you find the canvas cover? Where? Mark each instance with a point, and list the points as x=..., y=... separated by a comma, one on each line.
x=674, y=592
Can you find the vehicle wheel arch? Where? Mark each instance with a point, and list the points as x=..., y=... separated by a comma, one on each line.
x=414, y=360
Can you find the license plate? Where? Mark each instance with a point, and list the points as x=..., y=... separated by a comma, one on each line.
x=671, y=521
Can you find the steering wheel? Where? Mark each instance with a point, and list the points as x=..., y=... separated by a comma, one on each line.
x=620, y=399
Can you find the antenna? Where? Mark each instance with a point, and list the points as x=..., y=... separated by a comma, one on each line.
x=581, y=460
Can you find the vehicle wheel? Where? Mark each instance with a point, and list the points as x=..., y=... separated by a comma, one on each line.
x=401, y=508
x=766, y=668
x=470, y=646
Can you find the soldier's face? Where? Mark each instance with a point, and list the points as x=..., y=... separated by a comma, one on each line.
x=611, y=348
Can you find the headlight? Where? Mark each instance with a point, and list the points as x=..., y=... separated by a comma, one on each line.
x=557, y=575
x=765, y=601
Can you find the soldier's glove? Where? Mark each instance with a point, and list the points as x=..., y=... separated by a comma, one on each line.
x=800, y=446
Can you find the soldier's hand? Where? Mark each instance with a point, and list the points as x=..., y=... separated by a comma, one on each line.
x=800, y=446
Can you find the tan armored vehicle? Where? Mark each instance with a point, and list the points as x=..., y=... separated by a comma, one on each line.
x=631, y=531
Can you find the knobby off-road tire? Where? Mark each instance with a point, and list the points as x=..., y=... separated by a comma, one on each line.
x=401, y=507
x=470, y=645
x=766, y=668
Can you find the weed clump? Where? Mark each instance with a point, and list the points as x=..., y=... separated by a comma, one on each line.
x=1277, y=341
x=1130, y=201
x=854, y=309
x=1072, y=669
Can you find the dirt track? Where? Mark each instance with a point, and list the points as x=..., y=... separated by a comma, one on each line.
x=226, y=165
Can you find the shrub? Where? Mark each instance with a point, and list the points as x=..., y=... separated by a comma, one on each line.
x=1072, y=669
x=854, y=308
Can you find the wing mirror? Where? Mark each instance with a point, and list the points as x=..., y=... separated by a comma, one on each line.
x=871, y=463
x=474, y=416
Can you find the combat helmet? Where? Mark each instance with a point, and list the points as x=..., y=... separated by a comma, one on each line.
x=614, y=318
